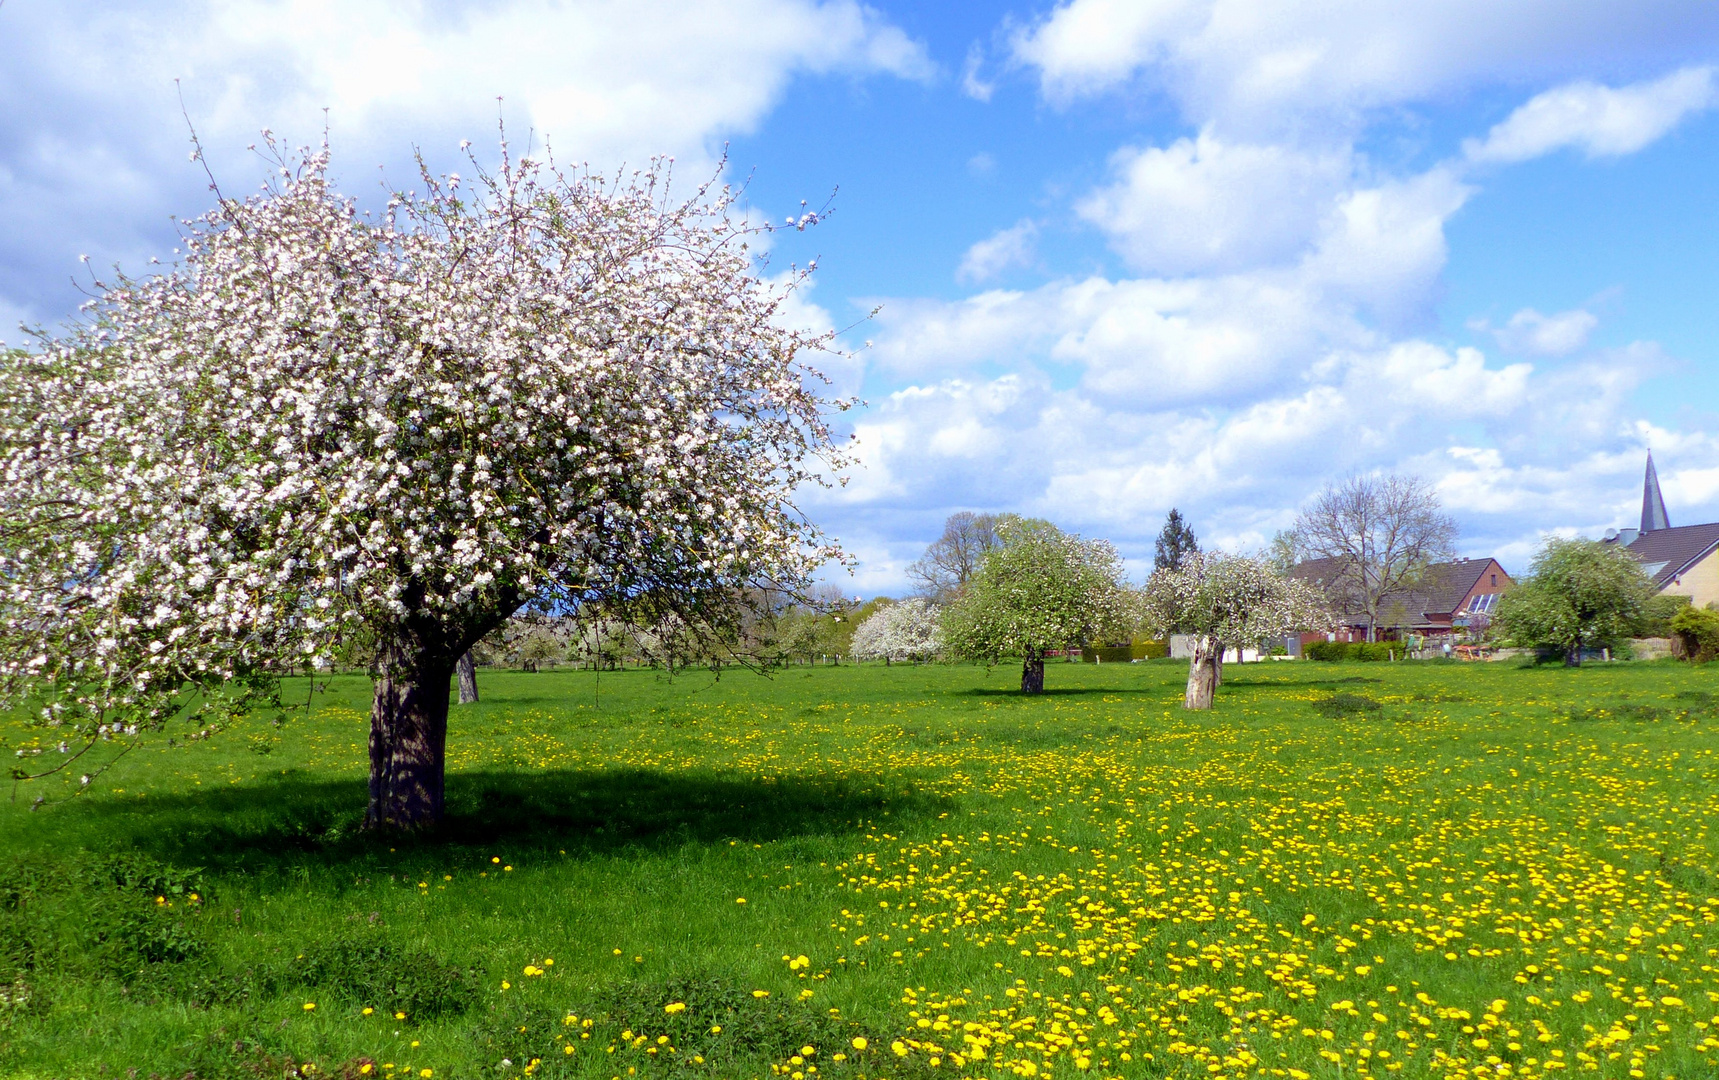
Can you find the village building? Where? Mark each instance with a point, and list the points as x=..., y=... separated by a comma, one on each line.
x=1450, y=598
x=1682, y=560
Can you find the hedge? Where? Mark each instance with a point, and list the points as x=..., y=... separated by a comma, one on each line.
x=1106, y=654
x=1145, y=649
x=1332, y=651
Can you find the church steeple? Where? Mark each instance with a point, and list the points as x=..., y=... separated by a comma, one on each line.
x=1652, y=503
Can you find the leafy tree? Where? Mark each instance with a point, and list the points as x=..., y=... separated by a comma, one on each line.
x=1699, y=630
x=1578, y=594
x=906, y=631
x=952, y=559
x=1175, y=543
x=1042, y=589
x=532, y=388
x=1383, y=532
x=1224, y=600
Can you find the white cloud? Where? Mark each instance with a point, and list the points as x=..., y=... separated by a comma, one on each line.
x=971, y=84
x=1003, y=251
x=1598, y=120
x=1530, y=333
x=1279, y=65
x=92, y=144
x=1202, y=204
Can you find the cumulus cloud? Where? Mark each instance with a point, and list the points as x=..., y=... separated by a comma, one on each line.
x=998, y=253
x=92, y=144
x=1278, y=64
x=1532, y=334
x=1202, y=204
x=1599, y=120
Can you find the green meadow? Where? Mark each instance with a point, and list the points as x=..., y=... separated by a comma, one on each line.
x=1345, y=870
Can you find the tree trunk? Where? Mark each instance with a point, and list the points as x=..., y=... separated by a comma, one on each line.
x=408, y=738
x=467, y=668
x=1573, y=655
x=1218, y=663
x=1033, y=672
x=1203, y=673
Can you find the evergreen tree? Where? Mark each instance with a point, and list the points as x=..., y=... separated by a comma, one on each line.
x=1175, y=542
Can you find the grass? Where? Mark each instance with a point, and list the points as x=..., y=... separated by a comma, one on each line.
x=1346, y=870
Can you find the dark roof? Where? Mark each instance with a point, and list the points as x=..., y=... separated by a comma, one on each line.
x=1446, y=585
x=1441, y=591
x=1318, y=571
x=1666, y=553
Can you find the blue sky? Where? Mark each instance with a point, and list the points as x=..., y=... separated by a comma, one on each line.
x=1202, y=253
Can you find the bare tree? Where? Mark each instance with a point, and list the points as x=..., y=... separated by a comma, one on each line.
x=1382, y=532
x=953, y=558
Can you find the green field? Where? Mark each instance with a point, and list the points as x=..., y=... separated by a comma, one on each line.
x=1346, y=870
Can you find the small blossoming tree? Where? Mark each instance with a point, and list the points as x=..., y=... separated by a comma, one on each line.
x=539, y=389
x=1042, y=589
x=1224, y=600
x=905, y=631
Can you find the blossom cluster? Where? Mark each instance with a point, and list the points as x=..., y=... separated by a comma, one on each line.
x=1230, y=599
x=1042, y=589
x=539, y=387
x=906, y=631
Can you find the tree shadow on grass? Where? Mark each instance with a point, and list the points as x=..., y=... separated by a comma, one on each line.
x=294, y=822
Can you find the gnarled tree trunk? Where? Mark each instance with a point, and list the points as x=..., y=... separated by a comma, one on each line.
x=408, y=736
x=1033, y=672
x=467, y=668
x=1203, y=673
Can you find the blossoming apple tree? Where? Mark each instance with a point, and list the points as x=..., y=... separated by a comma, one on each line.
x=1042, y=589
x=905, y=631
x=1226, y=600
x=537, y=388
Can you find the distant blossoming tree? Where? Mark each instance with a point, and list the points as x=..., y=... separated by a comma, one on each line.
x=1579, y=594
x=1042, y=589
x=906, y=631
x=1224, y=600
x=536, y=389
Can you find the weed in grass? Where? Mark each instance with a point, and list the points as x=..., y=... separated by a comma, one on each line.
x=367, y=970
x=1342, y=705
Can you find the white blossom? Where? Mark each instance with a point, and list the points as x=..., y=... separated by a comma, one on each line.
x=905, y=631
x=549, y=388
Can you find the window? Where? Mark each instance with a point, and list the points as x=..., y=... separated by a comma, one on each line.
x=1495, y=581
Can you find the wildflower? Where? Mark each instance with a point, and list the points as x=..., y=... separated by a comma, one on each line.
x=674, y=1007
x=860, y=1042
x=760, y=993
x=368, y=1010
x=309, y=1005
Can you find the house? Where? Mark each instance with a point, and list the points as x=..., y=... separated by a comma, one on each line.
x=1681, y=560
x=1450, y=597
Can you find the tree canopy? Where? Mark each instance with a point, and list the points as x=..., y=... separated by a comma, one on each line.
x=1382, y=533
x=1226, y=600
x=951, y=560
x=909, y=630
x=528, y=388
x=1578, y=594
x=1175, y=542
x=1042, y=589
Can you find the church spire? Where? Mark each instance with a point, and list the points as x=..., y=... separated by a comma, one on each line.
x=1652, y=503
